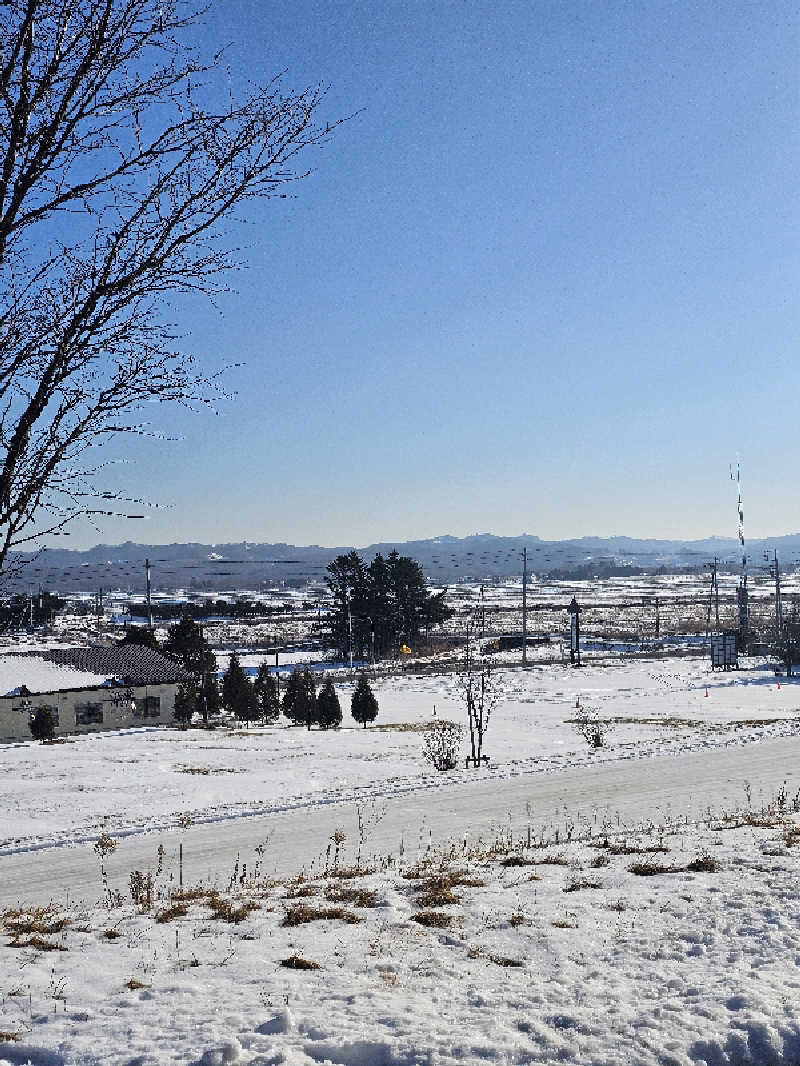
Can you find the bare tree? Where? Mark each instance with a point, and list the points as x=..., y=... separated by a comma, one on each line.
x=116, y=170
x=480, y=695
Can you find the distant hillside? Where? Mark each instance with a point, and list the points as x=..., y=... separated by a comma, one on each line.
x=444, y=559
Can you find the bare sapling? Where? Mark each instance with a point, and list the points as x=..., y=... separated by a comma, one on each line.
x=480, y=696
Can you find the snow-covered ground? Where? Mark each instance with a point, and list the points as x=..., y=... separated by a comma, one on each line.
x=148, y=778
x=565, y=954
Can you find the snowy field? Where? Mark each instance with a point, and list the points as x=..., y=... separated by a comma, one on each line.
x=144, y=779
x=600, y=928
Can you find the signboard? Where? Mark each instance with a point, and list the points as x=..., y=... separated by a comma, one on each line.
x=724, y=651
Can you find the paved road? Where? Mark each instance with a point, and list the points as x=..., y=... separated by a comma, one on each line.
x=623, y=792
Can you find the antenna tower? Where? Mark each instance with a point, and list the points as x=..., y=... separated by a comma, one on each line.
x=741, y=592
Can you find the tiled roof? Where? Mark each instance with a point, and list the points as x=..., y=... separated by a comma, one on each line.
x=133, y=663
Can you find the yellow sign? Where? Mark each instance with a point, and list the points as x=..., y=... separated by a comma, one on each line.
x=404, y=648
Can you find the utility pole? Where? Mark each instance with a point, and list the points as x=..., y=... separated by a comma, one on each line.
x=149, y=603
x=775, y=571
x=524, y=606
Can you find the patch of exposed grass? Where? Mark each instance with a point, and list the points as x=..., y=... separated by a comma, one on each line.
x=516, y=860
x=133, y=985
x=7, y=1036
x=553, y=860
x=504, y=960
x=44, y=921
x=357, y=897
x=37, y=942
x=189, y=895
x=301, y=891
x=111, y=934
x=565, y=923
x=301, y=914
x=433, y=919
x=225, y=910
x=297, y=962
x=648, y=868
x=600, y=861
x=178, y=909
x=705, y=863
x=347, y=873
x=576, y=884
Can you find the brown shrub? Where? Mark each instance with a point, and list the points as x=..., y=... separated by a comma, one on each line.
x=357, y=897
x=175, y=910
x=297, y=962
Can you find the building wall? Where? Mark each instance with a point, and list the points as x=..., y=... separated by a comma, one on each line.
x=90, y=710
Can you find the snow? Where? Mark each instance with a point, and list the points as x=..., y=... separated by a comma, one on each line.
x=38, y=675
x=566, y=955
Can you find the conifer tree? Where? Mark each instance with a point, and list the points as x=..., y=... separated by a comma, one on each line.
x=363, y=705
x=185, y=702
x=238, y=696
x=266, y=692
x=300, y=698
x=329, y=711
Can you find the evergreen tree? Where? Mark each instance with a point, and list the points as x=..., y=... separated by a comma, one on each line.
x=386, y=602
x=300, y=699
x=329, y=711
x=185, y=702
x=363, y=705
x=43, y=724
x=187, y=645
x=238, y=695
x=266, y=691
x=140, y=635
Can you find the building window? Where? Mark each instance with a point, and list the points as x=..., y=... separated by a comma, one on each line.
x=89, y=714
x=149, y=707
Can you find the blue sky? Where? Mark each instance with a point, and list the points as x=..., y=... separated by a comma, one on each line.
x=545, y=281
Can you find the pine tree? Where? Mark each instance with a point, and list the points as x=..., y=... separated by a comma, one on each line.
x=185, y=702
x=266, y=692
x=363, y=705
x=329, y=711
x=300, y=699
x=238, y=696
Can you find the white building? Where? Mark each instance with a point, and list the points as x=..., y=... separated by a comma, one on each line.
x=87, y=689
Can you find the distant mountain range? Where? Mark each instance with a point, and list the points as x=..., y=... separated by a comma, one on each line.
x=445, y=559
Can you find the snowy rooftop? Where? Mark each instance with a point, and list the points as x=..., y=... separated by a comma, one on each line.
x=72, y=668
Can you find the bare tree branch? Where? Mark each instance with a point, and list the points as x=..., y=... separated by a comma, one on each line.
x=115, y=178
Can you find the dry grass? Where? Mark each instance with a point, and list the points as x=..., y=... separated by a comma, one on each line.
x=704, y=863
x=357, y=897
x=189, y=895
x=433, y=919
x=38, y=943
x=648, y=868
x=517, y=919
x=301, y=914
x=553, y=860
x=225, y=910
x=565, y=923
x=636, y=849
x=42, y=921
x=301, y=891
x=347, y=873
x=133, y=985
x=599, y=861
x=7, y=1036
x=517, y=860
x=297, y=962
x=504, y=960
x=111, y=934
x=175, y=910
x=575, y=884
x=206, y=771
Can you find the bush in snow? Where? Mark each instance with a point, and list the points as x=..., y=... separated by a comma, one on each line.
x=593, y=731
x=441, y=743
